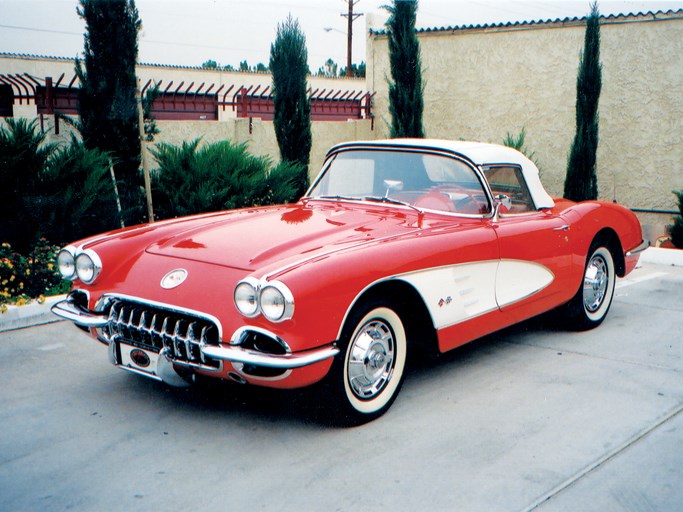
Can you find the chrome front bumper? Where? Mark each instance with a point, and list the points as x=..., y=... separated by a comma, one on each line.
x=233, y=353
x=69, y=310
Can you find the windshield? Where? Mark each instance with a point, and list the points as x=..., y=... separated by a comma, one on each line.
x=422, y=180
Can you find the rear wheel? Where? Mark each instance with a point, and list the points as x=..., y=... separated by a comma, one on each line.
x=589, y=307
x=368, y=373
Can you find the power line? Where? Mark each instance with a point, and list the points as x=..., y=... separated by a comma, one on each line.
x=50, y=31
x=142, y=39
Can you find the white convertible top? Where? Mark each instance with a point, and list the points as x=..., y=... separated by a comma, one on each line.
x=479, y=153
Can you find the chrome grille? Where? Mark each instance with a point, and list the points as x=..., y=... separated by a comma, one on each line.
x=154, y=328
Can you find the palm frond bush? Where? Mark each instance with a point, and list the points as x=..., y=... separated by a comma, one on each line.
x=77, y=197
x=518, y=142
x=23, y=156
x=193, y=178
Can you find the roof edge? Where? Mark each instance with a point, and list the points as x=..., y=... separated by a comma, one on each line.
x=542, y=23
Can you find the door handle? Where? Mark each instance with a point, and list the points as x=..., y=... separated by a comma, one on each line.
x=562, y=228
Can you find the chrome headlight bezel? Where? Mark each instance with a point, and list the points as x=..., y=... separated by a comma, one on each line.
x=276, y=302
x=273, y=299
x=248, y=287
x=88, y=266
x=66, y=258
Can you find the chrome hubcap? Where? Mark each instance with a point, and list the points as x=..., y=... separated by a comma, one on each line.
x=371, y=359
x=595, y=283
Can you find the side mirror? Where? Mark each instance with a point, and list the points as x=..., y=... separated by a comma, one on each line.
x=504, y=201
x=501, y=204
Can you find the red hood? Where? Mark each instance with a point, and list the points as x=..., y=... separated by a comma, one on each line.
x=248, y=239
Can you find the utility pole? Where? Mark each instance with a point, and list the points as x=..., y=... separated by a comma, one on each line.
x=349, y=33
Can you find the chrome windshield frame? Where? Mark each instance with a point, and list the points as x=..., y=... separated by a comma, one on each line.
x=331, y=156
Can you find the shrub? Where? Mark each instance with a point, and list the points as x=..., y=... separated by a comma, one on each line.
x=23, y=278
x=62, y=193
x=221, y=176
x=77, y=198
x=23, y=157
x=676, y=229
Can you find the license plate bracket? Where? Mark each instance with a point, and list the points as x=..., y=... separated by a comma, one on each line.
x=137, y=358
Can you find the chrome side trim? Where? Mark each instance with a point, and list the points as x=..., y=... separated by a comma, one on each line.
x=69, y=310
x=643, y=245
x=282, y=361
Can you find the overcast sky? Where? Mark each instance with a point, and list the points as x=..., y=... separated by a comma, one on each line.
x=189, y=32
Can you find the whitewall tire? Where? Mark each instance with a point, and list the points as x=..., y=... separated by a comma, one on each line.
x=589, y=307
x=367, y=375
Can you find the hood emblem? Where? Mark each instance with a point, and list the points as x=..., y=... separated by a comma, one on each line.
x=174, y=278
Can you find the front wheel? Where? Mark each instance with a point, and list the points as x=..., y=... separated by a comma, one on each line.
x=368, y=373
x=589, y=307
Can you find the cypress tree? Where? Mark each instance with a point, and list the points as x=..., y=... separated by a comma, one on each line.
x=581, y=182
x=292, y=117
x=405, y=92
x=107, y=97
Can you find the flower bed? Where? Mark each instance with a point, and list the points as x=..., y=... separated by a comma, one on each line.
x=27, y=278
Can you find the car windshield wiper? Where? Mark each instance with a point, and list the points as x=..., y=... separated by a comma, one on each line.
x=346, y=198
x=339, y=197
x=385, y=199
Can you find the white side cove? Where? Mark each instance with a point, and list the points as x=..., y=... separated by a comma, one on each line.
x=458, y=293
x=517, y=280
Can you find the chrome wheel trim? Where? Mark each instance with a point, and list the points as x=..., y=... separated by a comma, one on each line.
x=380, y=391
x=595, y=283
x=371, y=360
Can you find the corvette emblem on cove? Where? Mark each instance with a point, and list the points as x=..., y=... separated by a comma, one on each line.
x=174, y=278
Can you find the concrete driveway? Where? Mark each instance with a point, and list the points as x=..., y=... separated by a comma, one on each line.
x=532, y=418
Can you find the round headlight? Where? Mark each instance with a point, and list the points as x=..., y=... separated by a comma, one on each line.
x=88, y=266
x=246, y=298
x=66, y=263
x=277, y=302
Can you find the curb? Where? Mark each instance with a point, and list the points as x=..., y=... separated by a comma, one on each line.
x=659, y=256
x=20, y=317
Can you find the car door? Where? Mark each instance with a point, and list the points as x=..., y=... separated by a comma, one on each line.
x=534, y=248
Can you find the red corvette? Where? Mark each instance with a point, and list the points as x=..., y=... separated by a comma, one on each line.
x=399, y=245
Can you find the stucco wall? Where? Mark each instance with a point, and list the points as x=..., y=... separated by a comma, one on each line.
x=483, y=83
x=260, y=138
